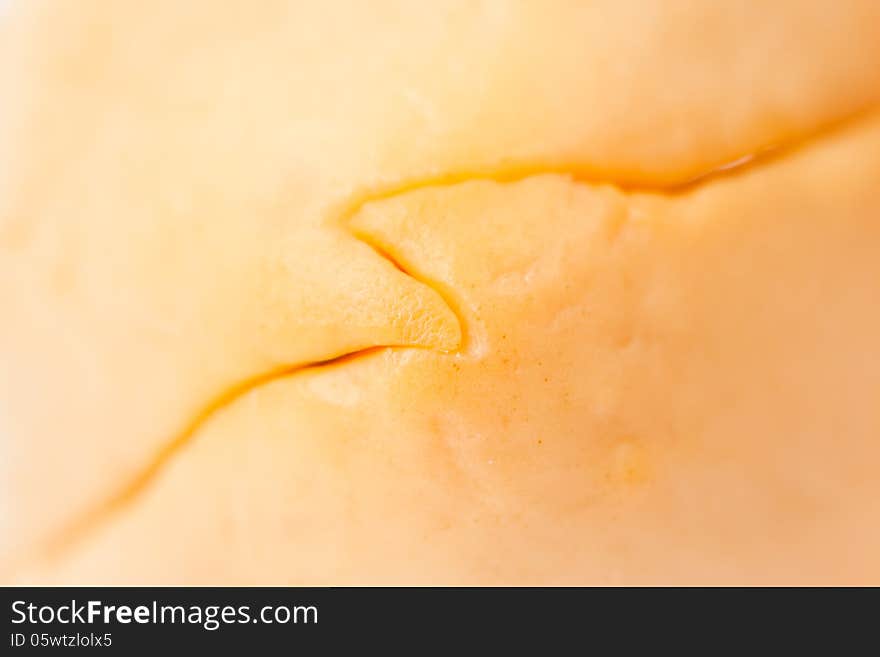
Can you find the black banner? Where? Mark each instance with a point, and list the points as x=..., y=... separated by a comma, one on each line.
x=126, y=620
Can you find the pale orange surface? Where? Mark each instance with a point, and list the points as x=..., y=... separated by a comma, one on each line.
x=349, y=292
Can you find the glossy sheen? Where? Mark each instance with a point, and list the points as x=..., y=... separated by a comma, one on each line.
x=597, y=370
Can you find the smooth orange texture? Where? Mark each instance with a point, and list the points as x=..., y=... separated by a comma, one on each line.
x=574, y=356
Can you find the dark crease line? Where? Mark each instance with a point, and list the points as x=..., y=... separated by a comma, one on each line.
x=137, y=485
x=438, y=287
x=92, y=520
x=742, y=163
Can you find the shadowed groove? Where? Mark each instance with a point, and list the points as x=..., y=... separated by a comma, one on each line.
x=94, y=519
